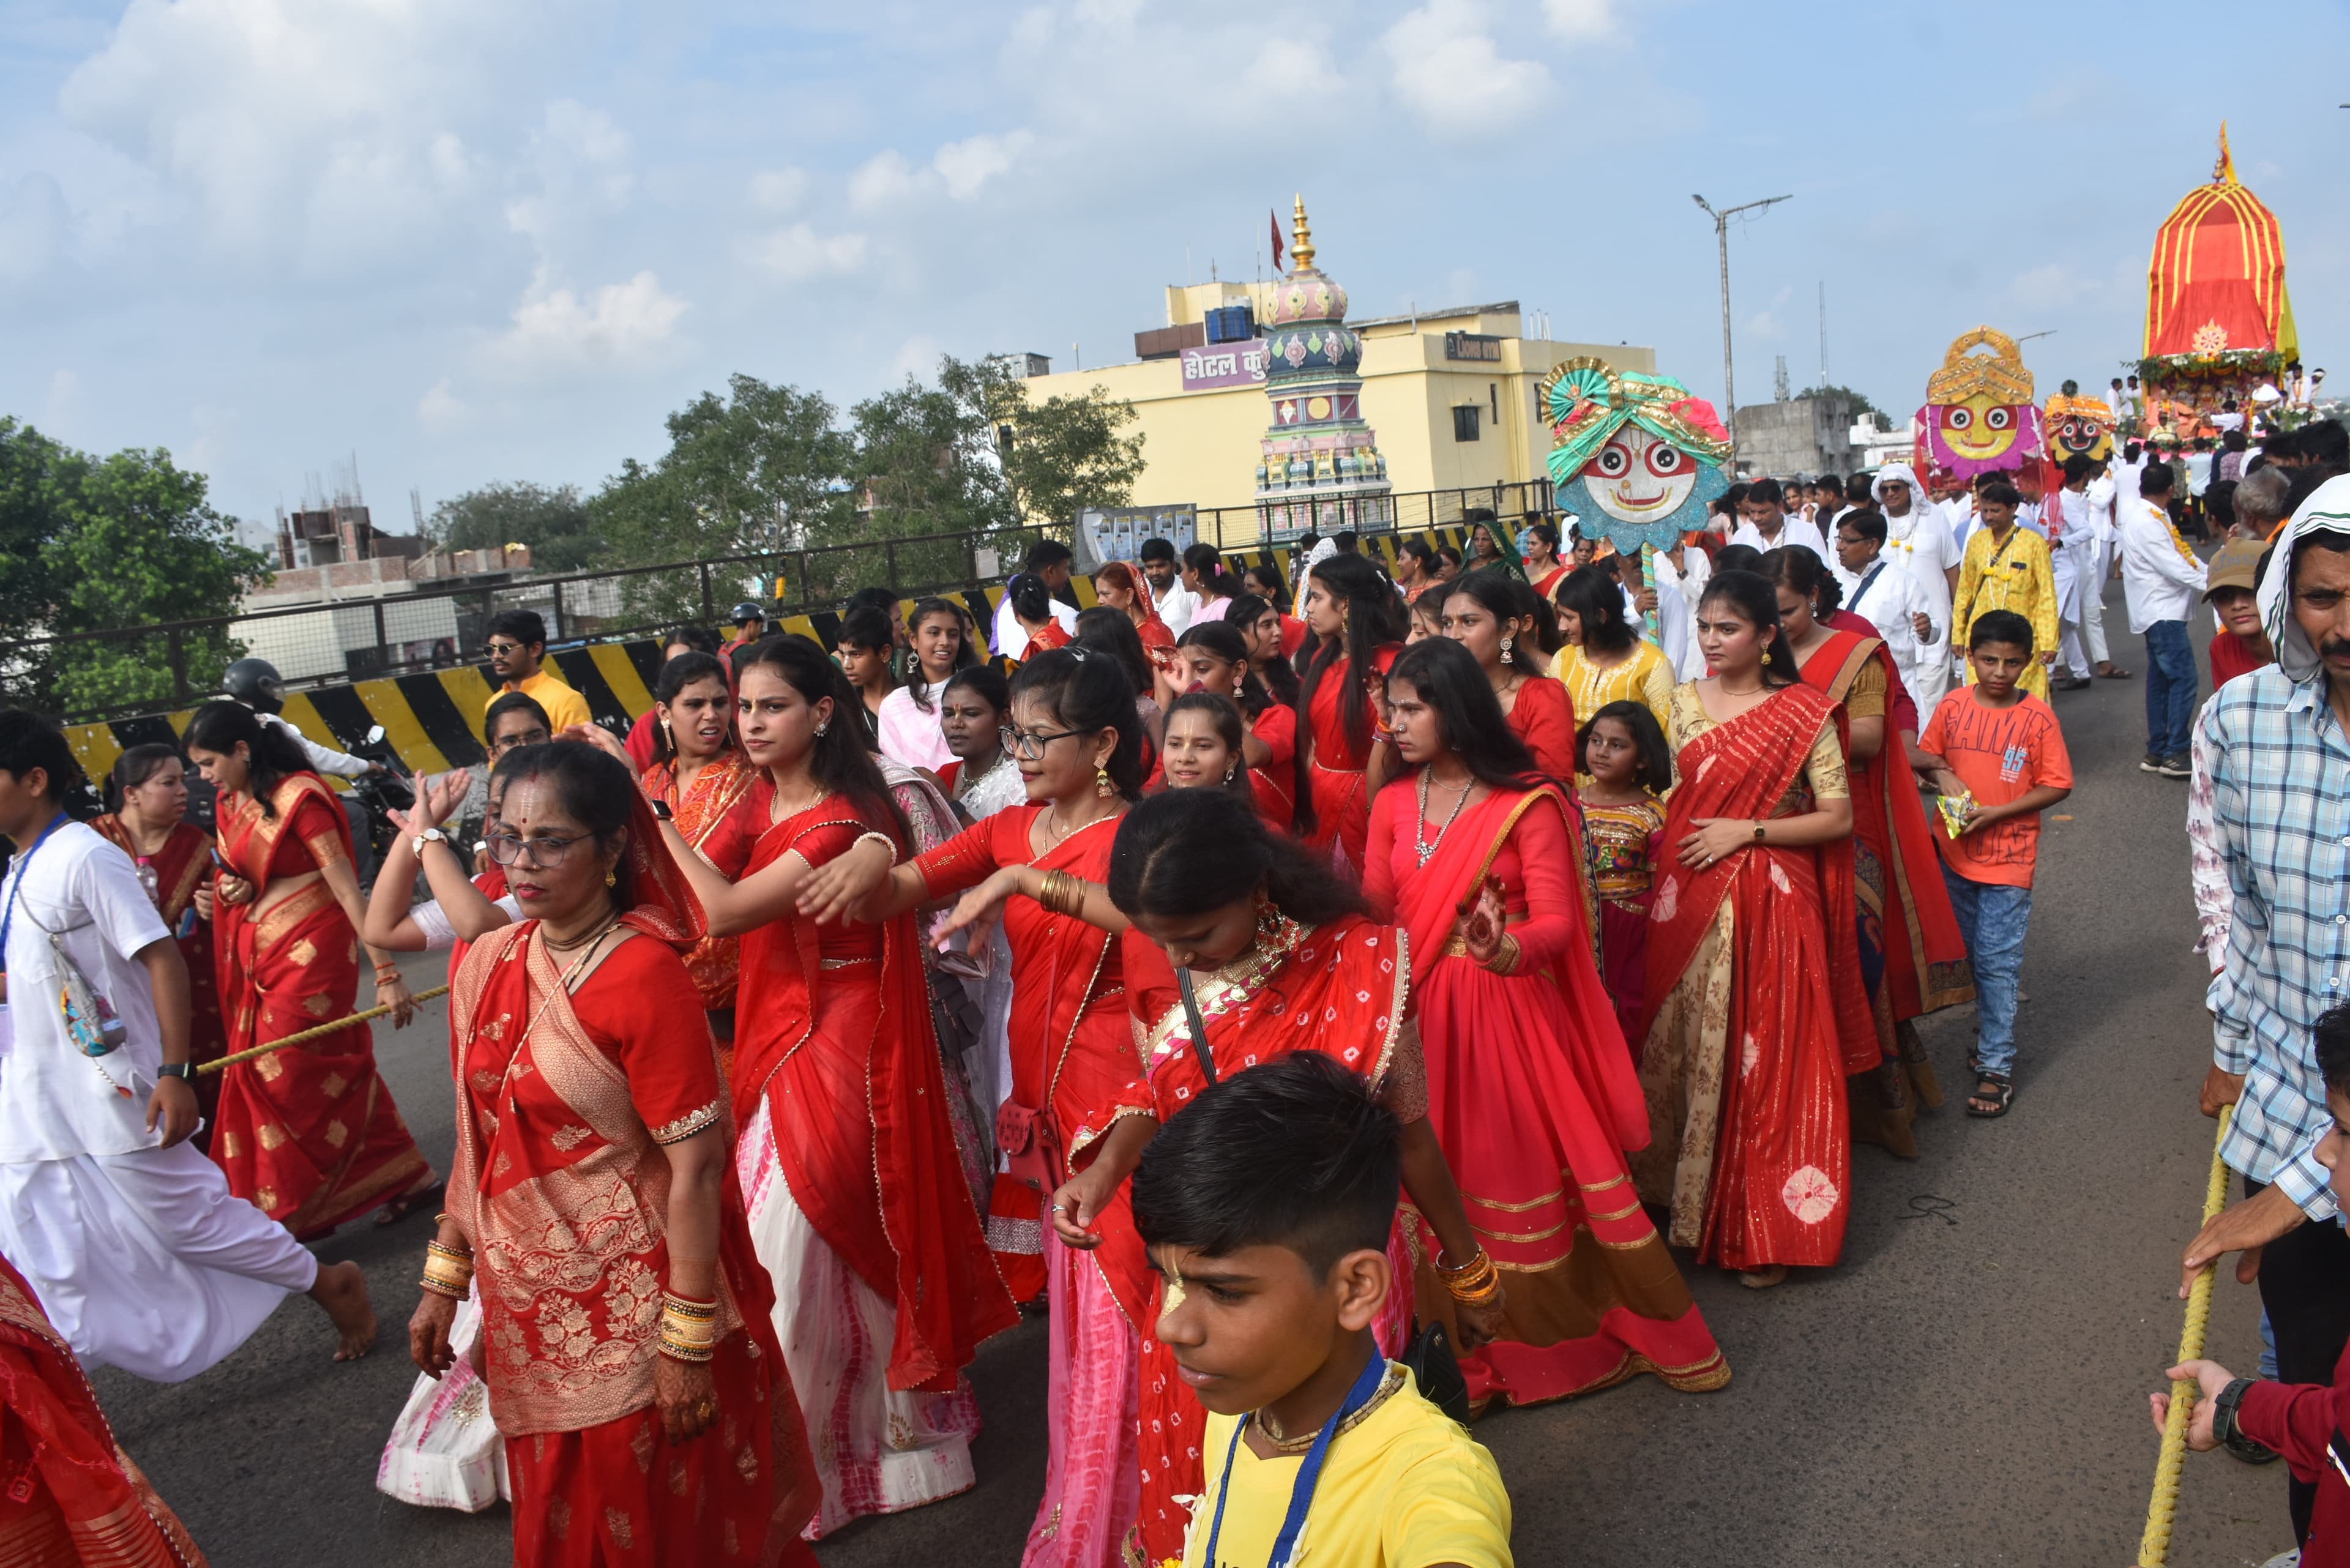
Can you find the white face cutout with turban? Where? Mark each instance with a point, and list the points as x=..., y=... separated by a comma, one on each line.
x=2327, y=511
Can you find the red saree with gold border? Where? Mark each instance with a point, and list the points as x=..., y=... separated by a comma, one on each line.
x=1533, y=1098
x=309, y=1134
x=698, y=811
x=560, y=1183
x=1341, y=988
x=68, y=1495
x=1755, y=1009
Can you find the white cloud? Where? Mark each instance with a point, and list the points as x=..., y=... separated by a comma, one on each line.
x=620, y=325
x=1581, y=21
x=1450, y=72
x=882, y=181
x=969, y=164
x=440, y=408
x=918, y=356
x=798, y=254
x=961, y=170
x=297, y=128
x=778, y=191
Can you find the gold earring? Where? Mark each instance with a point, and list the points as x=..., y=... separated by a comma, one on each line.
x=1239, y=682
x=1507, y=643
x=611, y=877
x=1102, y=786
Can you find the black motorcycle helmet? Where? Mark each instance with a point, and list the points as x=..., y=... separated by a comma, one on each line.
x=254, y=683
x=746, y=612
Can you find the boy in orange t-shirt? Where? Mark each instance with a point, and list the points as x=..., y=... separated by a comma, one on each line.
x=2001, y=750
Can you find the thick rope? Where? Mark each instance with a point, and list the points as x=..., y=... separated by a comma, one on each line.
x=2154, y=1546
x=307, y=1034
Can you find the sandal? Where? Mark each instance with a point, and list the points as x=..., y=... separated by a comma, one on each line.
x=426, y=1197
x=1764, y=1278
x=1993, y=1090
x=2114, y=672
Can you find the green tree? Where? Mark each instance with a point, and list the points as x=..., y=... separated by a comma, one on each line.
x=554, y=524
x=96, y=543
x=1058, y=456
x=1859, y=400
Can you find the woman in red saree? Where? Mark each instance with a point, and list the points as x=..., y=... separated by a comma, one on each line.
x=1343, y=757
x=1127, y=591
x=646, y=1409
x=858, y=1210
x=1271, y=938
x=1755, y=1012
x=1513, y=638
x=1073, y=737
x=1545, y=569
x=175, y=861
x=1530, y=1089
x=1913, y=959
x=1032, y=608
x=74, y=1497
x=701, y=776
x=308, y=1133
x=1215, y=657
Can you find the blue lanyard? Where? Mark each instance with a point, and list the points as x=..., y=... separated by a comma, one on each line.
x=1861, y=592
x=1309, y=1473
x=16, y=888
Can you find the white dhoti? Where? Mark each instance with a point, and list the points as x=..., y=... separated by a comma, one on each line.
x=2070, y=566
x=145, y=1261
x=878, y=1450
x=2100, y=559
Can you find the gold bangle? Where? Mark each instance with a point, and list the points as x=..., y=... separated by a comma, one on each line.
x=1062, y=893
x=689, y=1329
x=1473, y=1283
x=1505, y=957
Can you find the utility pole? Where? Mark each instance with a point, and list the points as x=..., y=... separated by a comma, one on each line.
x=1722, y=236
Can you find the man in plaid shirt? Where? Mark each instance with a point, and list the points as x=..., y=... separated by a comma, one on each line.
x=2279, y=744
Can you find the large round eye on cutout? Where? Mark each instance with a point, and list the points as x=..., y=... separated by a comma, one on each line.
x=1664, y=460
x=2000, y=418
x=1613, y=462
x=1958, y=419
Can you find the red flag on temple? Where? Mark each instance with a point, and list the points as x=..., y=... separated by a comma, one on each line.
x=1276, y=242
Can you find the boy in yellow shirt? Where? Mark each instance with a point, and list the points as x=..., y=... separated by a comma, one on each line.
x=2007, y=567
x=1266, y=1205
x=517, y=645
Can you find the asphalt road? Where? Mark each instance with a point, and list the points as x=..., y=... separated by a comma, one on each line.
x=1969, y=1387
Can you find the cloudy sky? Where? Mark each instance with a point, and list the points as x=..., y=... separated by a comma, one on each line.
x=469, y=240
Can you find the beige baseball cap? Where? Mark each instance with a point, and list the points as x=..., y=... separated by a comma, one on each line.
x=2237, y=565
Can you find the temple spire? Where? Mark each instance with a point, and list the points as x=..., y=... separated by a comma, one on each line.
x=1301, y=239
x=2222, y=173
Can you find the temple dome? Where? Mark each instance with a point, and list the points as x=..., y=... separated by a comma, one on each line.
x=1305, y=295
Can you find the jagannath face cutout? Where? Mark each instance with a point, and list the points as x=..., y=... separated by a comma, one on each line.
x=1978, y=415
x=2079, y=426
x=1634, y=457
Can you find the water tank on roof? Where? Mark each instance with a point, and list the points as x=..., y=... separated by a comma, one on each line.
x=1231, y=324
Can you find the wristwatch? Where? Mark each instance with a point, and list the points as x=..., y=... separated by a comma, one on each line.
x=430, y=835
x=2223, y=1423
x=183, y=1070
x=1758, y=833
x=662, y=812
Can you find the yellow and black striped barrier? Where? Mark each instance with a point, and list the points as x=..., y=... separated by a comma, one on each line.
x=432, y=720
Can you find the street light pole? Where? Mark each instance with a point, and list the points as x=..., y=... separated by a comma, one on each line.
x=1722, y=237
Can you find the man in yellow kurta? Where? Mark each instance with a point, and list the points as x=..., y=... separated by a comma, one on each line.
x=2007, y=567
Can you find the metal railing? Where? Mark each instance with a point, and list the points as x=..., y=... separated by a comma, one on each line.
x=120, y=672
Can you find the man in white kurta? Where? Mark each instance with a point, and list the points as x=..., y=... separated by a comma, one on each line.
x=1886, y=596
x=127, y=1233
x=1768, y=524
x=2070, y=565
x=1918, y=540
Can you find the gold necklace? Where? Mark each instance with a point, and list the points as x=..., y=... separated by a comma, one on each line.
x=576, y=944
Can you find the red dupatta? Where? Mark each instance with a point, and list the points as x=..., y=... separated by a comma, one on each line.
x=1925, y=958
x=1741, y=769
x=1428, y=906
x=1341, y=988
x=180, y=866
x=923, y=1248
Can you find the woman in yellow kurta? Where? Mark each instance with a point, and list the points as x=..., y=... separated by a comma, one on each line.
x=1605, y=660
x=2007, y=567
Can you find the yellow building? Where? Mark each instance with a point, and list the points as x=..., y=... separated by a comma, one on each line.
x=1449, y=393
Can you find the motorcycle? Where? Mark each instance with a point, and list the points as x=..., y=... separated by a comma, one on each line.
x=371, y=800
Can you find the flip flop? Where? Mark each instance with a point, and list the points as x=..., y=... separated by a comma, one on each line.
x=2114, y=672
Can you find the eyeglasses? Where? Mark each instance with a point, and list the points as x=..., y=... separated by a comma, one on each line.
x=500, y=649
x=538, y=854
x=1029, y=744
x=504, y=743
